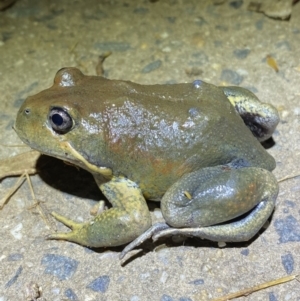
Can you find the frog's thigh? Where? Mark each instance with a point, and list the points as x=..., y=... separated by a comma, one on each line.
x=211, y=196
x=127, y=219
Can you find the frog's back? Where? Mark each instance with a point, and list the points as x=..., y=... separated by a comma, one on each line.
x=192, y=124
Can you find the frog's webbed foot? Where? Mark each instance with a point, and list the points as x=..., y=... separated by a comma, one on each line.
x=126, y=220
x=78, y=229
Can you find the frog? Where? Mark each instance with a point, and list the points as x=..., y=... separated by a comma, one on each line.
x=194, y=147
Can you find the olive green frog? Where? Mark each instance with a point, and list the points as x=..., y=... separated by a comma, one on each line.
x=194, y=147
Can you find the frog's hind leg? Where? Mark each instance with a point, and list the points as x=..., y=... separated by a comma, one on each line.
x=199, y=201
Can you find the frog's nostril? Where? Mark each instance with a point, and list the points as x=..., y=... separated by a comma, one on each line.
x=27, y=111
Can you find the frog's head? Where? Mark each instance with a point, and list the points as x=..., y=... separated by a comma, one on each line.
x=57, y=122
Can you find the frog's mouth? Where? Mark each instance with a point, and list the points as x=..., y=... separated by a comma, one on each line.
x=67, y=147
x=71, y=155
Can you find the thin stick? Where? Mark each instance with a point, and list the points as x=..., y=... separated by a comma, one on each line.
x=30, y=186
x=12, y=190
x=247, y=291
x=287, y=178
x=37, y=204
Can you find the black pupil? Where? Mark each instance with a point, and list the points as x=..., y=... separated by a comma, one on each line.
x=57, y=119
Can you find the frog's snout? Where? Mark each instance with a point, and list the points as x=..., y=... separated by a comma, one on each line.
x=19, y=123
x=26, y=125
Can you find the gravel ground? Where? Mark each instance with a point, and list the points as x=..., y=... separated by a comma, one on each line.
x=174, y=41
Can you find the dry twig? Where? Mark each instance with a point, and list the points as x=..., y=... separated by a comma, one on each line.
x=247, y=291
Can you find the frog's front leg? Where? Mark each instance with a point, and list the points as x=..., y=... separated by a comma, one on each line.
x=199, y=201
x=127, y=219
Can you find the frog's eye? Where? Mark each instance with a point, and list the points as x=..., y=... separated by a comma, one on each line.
x=61, y=122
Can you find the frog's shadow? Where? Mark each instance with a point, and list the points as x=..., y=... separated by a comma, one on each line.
x=78, y=182
x=68, y=178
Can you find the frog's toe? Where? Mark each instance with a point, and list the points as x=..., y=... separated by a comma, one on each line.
x=60, y=236
x=78, y=236
x=156, y=228
x=64, y=220
x=79, y=233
